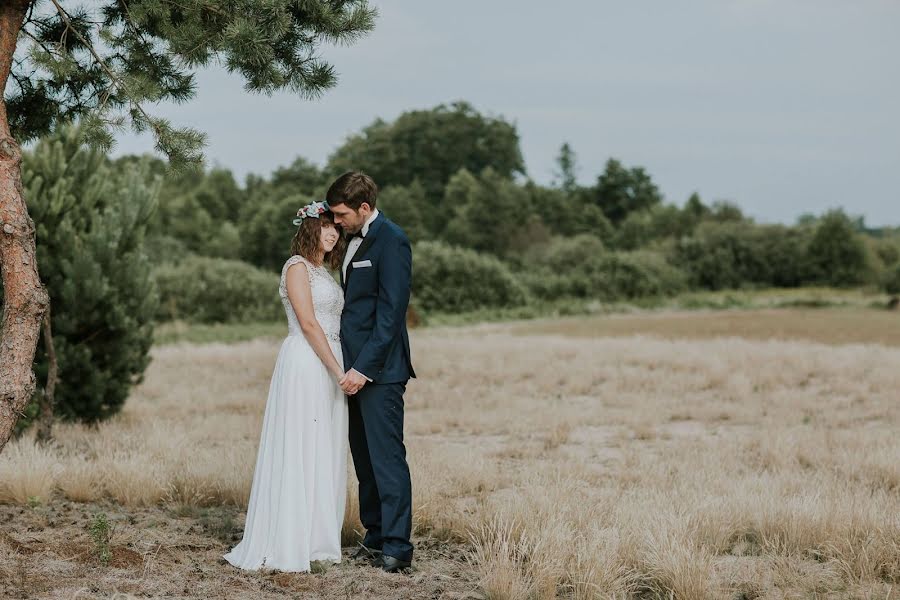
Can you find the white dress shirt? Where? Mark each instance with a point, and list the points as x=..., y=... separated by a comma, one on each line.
x=352, y=247
x=356, y=242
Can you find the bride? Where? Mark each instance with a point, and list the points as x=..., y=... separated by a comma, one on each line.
x=299, y=486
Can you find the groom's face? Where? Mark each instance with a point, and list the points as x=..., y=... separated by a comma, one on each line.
x=351, y=220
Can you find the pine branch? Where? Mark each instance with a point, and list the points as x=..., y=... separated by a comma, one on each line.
x=115, y=79
x=167, y=138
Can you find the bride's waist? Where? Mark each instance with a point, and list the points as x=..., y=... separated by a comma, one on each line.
x=331, y=336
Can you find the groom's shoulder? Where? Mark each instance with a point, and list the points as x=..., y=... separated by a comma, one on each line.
x=395, y=231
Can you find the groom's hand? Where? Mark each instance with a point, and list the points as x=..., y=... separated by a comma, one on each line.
x=352, y=382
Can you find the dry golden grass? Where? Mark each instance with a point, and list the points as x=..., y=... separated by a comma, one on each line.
x=552, y=466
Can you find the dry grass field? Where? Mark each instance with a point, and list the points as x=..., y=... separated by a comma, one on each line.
x=835, y=326
x=616, y=457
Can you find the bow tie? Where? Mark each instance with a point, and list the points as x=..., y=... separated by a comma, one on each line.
x=358, y=234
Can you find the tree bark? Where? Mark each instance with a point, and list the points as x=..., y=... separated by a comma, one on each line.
x=24, y=297
x=48, y=395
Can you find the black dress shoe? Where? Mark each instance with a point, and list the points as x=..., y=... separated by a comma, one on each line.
x=391, y=564
x=366, y=553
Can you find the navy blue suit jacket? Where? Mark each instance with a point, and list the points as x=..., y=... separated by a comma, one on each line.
x=374, y=338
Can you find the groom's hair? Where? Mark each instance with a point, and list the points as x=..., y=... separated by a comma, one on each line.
x=352, y=188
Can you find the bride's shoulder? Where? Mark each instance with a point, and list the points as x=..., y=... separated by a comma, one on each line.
x=295, y=260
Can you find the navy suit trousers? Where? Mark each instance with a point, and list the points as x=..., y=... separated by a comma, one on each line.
x=379, y=456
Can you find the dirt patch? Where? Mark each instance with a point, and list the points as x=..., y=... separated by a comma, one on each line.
x=47, y=552
x=21, y=547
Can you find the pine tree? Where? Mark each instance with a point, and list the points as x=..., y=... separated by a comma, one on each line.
x=103, y=63
x=566, y=169
x=91, y=220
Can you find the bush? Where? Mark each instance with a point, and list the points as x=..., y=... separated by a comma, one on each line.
x=891, y=280
x=580, y=267
x=641, y=228
x=454, y=280
x=641, y=274
x=737, y=254
x=215, y=290
x=887, y=250
x=838, y=253
x=90, y=224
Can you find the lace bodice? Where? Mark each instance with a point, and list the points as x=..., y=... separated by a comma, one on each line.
x=327, y=296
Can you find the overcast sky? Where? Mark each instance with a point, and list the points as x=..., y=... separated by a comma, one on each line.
x=782, y=106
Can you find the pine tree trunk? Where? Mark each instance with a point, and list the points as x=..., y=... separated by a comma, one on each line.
x=24, y=298
x=48, y=395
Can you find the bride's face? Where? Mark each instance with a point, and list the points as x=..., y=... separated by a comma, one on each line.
x=329, y=237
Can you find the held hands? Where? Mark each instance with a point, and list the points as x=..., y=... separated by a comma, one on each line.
x=352, y=382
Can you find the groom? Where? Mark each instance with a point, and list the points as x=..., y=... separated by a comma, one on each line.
x=376, y=278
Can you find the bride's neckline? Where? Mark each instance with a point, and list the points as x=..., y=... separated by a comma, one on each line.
x=310, y=262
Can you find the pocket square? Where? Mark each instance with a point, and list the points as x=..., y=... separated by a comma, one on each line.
x=362, y=263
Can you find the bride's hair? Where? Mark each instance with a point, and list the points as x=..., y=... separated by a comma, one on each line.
x=308, y=239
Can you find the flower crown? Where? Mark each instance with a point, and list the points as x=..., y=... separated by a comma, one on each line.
x=311, y=210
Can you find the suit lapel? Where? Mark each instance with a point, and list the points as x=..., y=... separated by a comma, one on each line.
x=364, y=247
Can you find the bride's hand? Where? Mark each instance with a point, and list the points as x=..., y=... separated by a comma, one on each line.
x=339, y=374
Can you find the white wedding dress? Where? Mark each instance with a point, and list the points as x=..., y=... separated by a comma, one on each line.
x=299, y=486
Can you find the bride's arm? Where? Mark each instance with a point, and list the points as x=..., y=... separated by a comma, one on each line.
x=300, y=295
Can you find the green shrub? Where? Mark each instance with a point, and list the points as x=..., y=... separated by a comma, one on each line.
x=215, y=290
x=580, y=267
x=267, y=228
x=891, y=280
x=641, y=274
x=886, y=250
x=837, y=252
x=90, y=225
x=453, y=280
x=735, y=254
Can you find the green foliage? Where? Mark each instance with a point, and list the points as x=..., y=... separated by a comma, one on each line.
x=485, y=212
x=267, y=229
x=164, y=248
x=891, y=280
x=568, y=213
x=732, y=254
x=220, y=195
x=198, y=211
x=837, y=252
x=431, y=146
x=300, y=177
x=581, y=267
x=101, y=533
x=726, y=212
x=269, y=206
x=641, y=274
x=451, y=279
x=644, y=227
x=887, y=251
x=90, y=226
x=561, y=253
x=695, y=208
x=621, y=191
x=211, y=290
x=565, y=177
x=447, y=176
x=405, y=205
x=104, y=61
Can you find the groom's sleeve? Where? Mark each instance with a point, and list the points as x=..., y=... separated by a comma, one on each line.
x=394, y=280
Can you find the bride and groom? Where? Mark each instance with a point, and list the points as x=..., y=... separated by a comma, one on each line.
x=341, y=372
